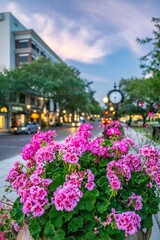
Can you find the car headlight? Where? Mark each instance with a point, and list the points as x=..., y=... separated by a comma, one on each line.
x=39, y=128
x=23, y=128
x=73, y=124
x=15, y=129
x=78, y=124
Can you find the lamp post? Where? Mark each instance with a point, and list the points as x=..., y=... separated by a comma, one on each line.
x=104, y=122
x=28, y=108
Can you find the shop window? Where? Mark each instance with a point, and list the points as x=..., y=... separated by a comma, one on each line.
x=3, y=109
x=22, y=98
x=2, y=121
x=32, y=101
x=38, y=102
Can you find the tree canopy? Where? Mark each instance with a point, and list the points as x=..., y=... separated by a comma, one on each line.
x=56, y=81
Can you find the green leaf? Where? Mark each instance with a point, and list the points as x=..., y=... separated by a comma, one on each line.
x=75, y=223
x=87, y=215
x=95, y=192
x=57, y=181
x=70, y=238
x=68, y=215
x=88, y=201
x=49, y=229
x=90, y=236
x=101, y=181
x=59, y=235
x=42, y=220
x=89, y=225
x=16, y=211
x=148, y=222
x=53, y=213
x=34, y=228
x=80, y=234
x=106, y=237
x=103, y=206
x=58, y=222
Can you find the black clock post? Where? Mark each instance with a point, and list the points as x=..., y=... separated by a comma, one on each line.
x=115, y=97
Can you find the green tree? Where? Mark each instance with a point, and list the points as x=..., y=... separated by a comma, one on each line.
x=150, y=63
x=56, y=81
x=8, y=89
x=137, y=90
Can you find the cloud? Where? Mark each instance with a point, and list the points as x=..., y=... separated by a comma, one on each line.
x=69, y=39
x=102, y=29
x=126, y=20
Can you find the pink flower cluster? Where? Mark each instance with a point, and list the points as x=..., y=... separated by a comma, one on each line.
x=135, y=201
x=113, y=132
x=2, y=236
x=115, y=123
x=129, y=222
x=141, y=104
x=76, y=145
x=151, y=158
x=122, y=169
x=31, y=148
x=115, y=171
x=66, y=197
x=156, y=106
x=32, y=190
x=96, y=147
x=122, y=147
x=150, y=114
x=31, y=184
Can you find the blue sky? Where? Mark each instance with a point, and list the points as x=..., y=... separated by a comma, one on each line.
x=98, y=37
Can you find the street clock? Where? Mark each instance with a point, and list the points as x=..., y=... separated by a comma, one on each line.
x=115, y=96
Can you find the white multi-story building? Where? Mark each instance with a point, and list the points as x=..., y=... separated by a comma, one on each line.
x=19, y=45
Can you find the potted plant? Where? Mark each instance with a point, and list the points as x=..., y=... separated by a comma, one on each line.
x=84, y=189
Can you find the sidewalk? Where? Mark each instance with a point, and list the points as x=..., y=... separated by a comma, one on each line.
x=141, y=140
x=4, y=131
x=5, y=166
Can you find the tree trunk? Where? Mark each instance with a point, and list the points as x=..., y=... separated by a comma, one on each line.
x=144, y=120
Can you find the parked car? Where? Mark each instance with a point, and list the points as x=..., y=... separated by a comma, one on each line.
x=28, y=128
x=76, y=124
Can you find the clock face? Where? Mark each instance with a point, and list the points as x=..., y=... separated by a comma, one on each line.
x=115, y=97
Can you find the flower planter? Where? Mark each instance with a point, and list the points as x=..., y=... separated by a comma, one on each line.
x=24, y=233
x=84, y=189
x=140, y=235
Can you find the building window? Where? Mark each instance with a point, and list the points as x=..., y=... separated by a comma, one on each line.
x=22, y=98
x=39, y=102
x=33, y=58
x=23, y=58
x=23, y=44
x=34, y=46
x=12, y=97
x=32, y=101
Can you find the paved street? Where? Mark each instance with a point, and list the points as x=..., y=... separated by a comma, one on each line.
x=11, y=145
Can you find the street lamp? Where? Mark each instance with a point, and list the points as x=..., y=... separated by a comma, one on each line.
x=105, y=100
x=28, y=108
